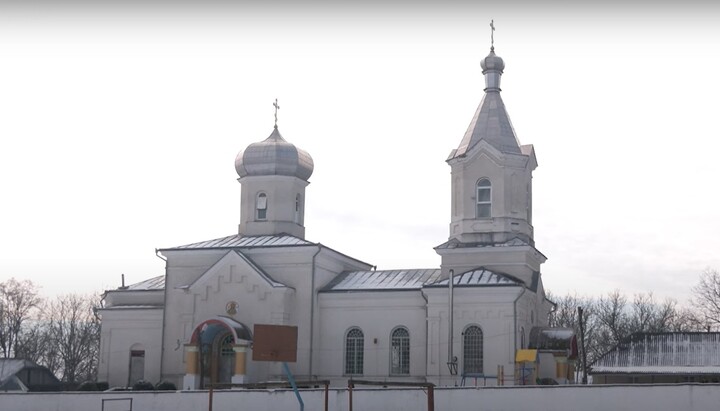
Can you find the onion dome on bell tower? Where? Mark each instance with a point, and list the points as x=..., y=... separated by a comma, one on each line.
x=274, y=156
x=273, y=176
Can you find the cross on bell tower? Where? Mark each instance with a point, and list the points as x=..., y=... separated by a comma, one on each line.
x=277, y=107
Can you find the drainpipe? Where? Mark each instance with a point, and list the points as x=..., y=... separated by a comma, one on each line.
x=312, y=312
x=162, y=337
x=512, y=355
x=451, y=358
x=427, y=331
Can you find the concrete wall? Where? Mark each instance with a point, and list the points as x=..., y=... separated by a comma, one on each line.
x=690, y=397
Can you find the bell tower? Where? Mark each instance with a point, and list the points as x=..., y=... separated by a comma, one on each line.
x=273, y=176
x=491, y=172
x=491, y=195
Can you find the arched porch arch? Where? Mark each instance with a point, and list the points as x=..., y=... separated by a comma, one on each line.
x=216, y=352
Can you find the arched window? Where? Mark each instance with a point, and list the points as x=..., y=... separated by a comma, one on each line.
x=473, y=350
x=400, y=351
x=354, y=346
x=484, y=198
x=298, y=205
x=261, y=207
x=522, y=338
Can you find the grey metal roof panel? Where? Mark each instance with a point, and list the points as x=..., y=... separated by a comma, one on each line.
x=490, y=123
x=553, y=339
x=662, y=353
x=454, y=243
x=155, y=283
x=239, y=241
x=11, y=366
x=382, y=280
x=479, y=277
x=274, y=156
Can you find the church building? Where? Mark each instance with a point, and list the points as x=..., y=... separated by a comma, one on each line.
x=193, y=325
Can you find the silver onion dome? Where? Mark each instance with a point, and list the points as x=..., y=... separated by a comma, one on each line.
x=492, y=62
x=274, y=156
x=492, y=68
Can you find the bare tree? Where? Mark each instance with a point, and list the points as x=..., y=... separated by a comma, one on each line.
x=612, y=317
x=647, y=315
x=565, y=313
x=35, y=342
x=706, y=297
x=74, y=332
x=686, y=319
x=17, y=299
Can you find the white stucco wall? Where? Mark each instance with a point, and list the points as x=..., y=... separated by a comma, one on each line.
x=376, y=314
x=491, y=309
x=510, y=176
x=690, y=397
x=121, y=330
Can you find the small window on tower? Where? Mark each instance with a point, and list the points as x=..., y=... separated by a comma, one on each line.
x=261, y=207
x=484, y=198
x=297, y=209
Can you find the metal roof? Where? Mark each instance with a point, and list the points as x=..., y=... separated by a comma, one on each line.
x=554, y=339
x=9, y=367
x=454, y=243
x=238, y=241
x=274, y=156
x=155, y=283
x=382, y=280
x=490, y=123
x=479, y=277
x=663, y=353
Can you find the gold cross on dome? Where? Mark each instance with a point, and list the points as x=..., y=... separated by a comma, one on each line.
x=277, y=107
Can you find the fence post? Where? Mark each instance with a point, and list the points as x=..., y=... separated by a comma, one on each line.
x=431, y=398
x=327, y=388
x=350, y=398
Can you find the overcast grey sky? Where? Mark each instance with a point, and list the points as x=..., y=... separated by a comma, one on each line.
x=120, y=123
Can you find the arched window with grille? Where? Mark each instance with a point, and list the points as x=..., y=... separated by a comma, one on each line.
x=354, y=355
x=484, y=198
x=472, y=350
x=400, y=351
x=261, y=207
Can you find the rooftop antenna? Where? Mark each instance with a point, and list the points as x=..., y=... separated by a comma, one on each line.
x=277, y=107
x=492, y=35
